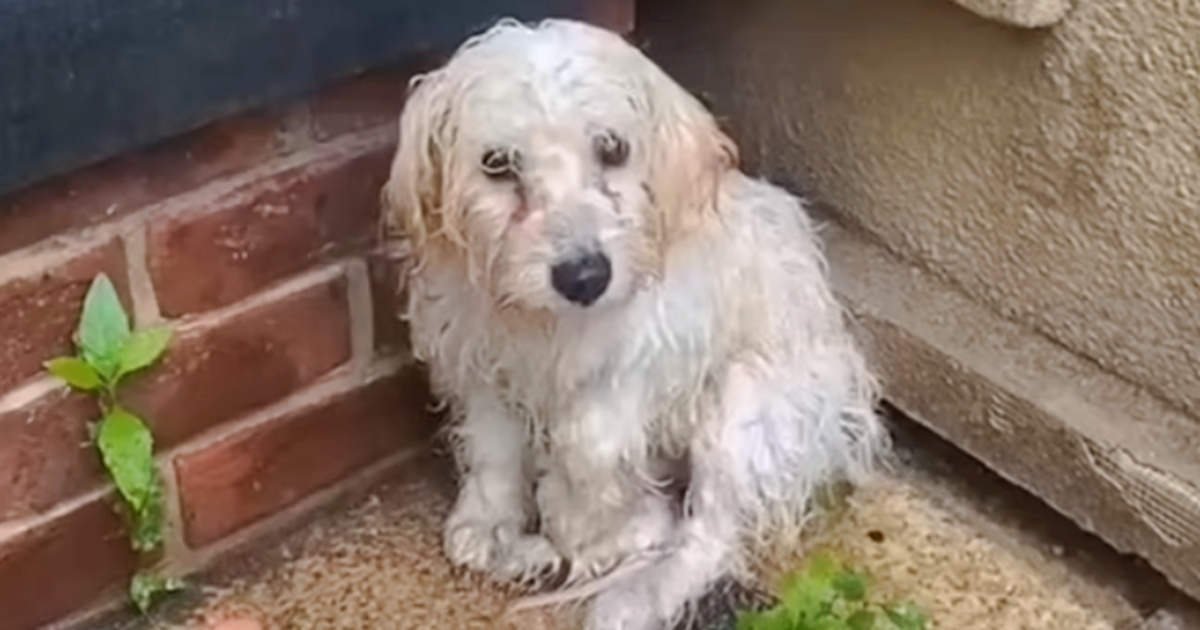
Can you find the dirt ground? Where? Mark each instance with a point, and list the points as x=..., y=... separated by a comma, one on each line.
x=972, y=551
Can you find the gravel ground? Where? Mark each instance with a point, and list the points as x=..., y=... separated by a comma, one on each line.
x=975, y=553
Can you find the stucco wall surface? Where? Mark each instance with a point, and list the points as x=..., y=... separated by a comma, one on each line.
x=1052, y=174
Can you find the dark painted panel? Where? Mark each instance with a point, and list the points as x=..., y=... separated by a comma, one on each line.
x=82, y=80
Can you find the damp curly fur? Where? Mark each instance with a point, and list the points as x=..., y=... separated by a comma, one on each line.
x=716, y=352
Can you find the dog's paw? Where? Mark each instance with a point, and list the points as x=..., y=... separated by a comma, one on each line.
x=476, y=544
x=531, y=561
x=596, y=562
x=625, y=609
x=500, y=549
x=477, y=538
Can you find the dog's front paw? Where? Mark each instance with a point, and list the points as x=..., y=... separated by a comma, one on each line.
x=476, y=544
x=477, y=538
x=625, y=609
x=500, y=549
x=532, y=561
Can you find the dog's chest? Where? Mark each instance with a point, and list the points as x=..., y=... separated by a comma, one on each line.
x=660, y=352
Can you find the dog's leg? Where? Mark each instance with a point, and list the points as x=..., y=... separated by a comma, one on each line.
x=596, y=537
x=710, y=533
x=708, y=539
x=599, y=498
x=485, y=530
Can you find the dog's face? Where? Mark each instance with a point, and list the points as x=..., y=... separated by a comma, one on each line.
x=555, y=164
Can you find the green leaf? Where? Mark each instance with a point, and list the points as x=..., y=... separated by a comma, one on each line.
x=127, y=449
x=142, y=349
x=905, y=617
x=75, y=372
x=851, y=586
x=146, y=588
x=861, y=620
x=826, y=595
x=810, y=594
x=103, y=327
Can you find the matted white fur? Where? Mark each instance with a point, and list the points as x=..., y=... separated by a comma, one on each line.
x=715, y=346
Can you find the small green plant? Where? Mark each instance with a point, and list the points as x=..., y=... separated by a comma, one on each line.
x=828, y=596
x=107, y=352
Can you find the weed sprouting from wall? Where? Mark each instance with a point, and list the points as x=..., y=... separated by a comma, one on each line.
x=108, y=351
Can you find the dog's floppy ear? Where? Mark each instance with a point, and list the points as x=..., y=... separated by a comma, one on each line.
x=413, y=197
x=688, y=155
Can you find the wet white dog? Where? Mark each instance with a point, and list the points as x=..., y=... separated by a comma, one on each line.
x=610, y=306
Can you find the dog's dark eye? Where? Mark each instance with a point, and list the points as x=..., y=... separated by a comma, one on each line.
x=500, y=163
x=612, y=150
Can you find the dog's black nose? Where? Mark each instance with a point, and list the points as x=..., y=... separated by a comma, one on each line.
x=583, y=279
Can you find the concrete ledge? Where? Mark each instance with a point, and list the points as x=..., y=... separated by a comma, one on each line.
x=1097, y=448
x=1019, y=13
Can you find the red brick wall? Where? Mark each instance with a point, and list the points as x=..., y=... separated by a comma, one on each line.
x=287, y=379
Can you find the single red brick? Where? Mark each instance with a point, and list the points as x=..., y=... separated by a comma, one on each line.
x=41, y=312
x=236, y=244
x=132, y=181
x=391, y=334
x=365, y=101
x=46, y=454
x=267, y=467
x=348, y=205
x=50, y=571
x=216, y=373
x=617, y=15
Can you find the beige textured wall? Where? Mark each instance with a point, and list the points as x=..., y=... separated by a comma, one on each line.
x=1053, y=174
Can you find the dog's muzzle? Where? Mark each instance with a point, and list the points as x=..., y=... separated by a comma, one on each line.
x=583, y=278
